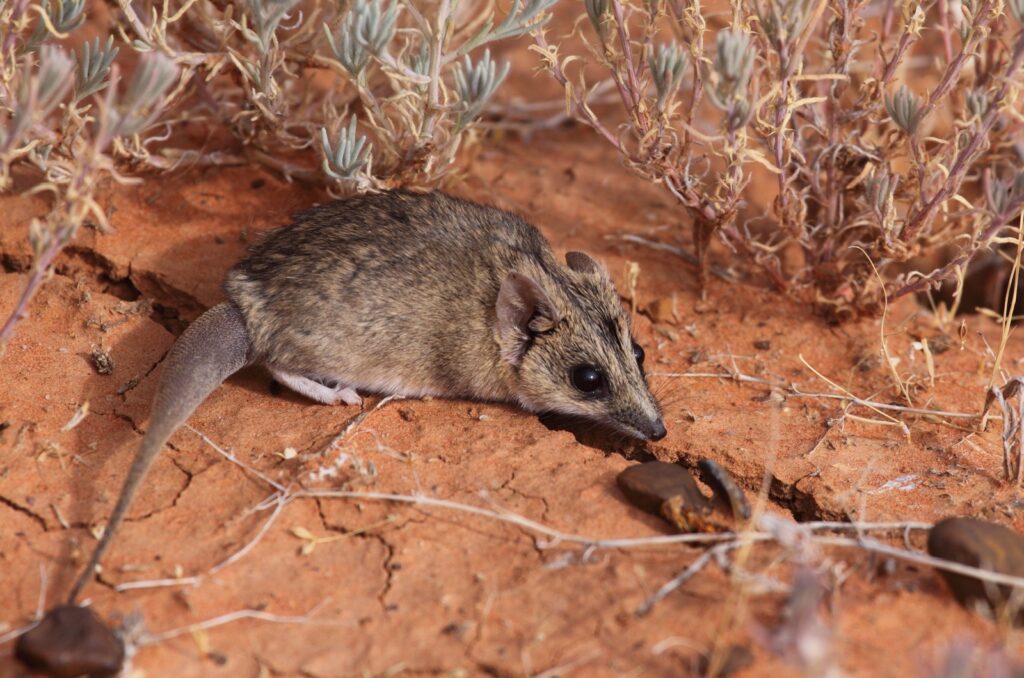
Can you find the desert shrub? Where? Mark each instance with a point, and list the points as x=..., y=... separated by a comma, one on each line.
x=889, y=132
x=359, y=95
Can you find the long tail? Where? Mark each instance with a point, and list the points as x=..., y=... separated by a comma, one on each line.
x=213, y=348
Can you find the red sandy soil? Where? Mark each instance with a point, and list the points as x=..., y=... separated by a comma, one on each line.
x=411, y=590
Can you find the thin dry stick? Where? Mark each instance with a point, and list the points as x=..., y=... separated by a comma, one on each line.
x=21, y=630
x=691, y=571
x=836, y=386
x=354, y=422
x=558, y=537
x=238, y=462
x=793, y=391
x=154, y=638
x=862, y=543
x=873, y=546
x=278, y=500
x=40, y=609
x=1013, y=426
x=1009, y=303
x=43, y=582
x=889, y=363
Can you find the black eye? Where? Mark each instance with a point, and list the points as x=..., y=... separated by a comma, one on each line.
x=587, y=378
x=638, y=353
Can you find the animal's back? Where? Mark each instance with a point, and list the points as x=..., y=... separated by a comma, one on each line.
x=387, y=284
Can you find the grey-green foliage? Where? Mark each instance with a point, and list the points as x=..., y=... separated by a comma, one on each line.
x=667, y=64
x=475, y=84
x=53, y=79
x=783, y=20
x=93, y=66
x=879, y=189
x=266, y=17
x=419, y=61
x=366, y=29
x=1002, y=194
x=65, y=15
x=734, y=58
x=142, y=101
x=737, y=114
x=596, y=11
x=733, y=64
x=518, y=21
x=977, y=101
x=904, y=108
x=38, y=93
x=347, y=158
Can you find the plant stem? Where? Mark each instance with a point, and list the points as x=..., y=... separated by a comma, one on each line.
x=434, y=89
x=40, y=270
x=963, y=159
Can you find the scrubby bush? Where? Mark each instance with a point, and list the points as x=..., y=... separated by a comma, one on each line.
x=359, y=95
x=889, y=131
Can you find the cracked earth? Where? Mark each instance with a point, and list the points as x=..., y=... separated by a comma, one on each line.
x=394, y=588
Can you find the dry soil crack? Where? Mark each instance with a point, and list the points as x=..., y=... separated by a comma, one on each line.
x=389, y=548
x=15, y=506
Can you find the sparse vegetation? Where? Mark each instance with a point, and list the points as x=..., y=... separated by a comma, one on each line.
x=891, y=128
x=384, y=92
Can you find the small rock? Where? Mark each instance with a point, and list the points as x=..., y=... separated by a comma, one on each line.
x=670, y=491
x=940, y=343
x=648, y=486
x=69, y=642
x=867, y=362
x=978, y=543
x=763, y=345
x=102, y=361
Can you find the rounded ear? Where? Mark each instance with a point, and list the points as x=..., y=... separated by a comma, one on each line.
x=583, y=263
x=523, y=310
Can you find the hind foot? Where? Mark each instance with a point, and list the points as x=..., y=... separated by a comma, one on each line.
x=322, y=390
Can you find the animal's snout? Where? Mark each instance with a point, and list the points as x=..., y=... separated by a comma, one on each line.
x=656, y=430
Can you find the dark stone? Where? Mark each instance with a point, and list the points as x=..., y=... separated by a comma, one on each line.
x=981, y=544
x=648, y=486
x=71, y=641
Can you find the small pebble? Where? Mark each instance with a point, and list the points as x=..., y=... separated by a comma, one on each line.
x=102, y=361
x=978, y=543
x=71, y=641
x=648, y=486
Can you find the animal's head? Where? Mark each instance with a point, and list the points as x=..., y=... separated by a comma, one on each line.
x=568, y=339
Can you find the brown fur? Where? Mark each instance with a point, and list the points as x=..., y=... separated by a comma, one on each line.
x=398, y=292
